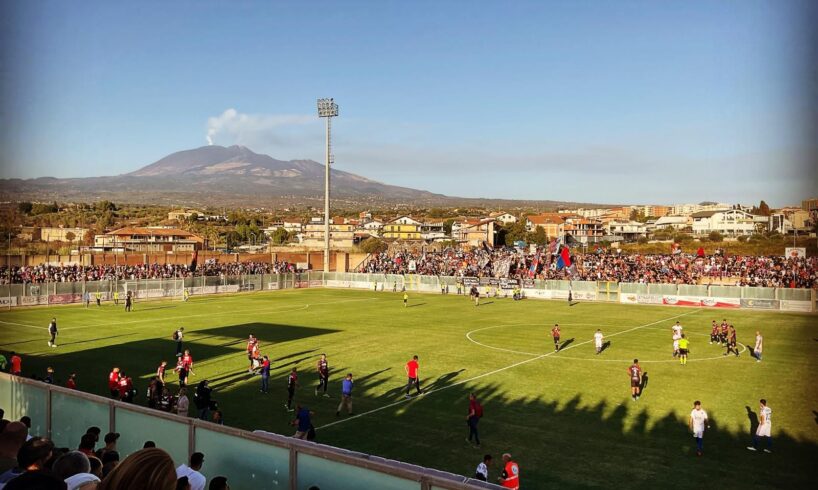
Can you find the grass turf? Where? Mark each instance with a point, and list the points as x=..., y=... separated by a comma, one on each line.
x=566, y=417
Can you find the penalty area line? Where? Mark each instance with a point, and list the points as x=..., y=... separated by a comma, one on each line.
x=490, y=373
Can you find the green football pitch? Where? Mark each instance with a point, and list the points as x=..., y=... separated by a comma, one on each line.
x=567, y=417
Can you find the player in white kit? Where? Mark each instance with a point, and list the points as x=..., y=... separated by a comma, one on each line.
x=598, y=338
x=758, y=347
x=765, y=414
x=677, y=334
x=697, y=423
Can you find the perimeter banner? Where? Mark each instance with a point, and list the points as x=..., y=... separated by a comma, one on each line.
x=761, y=304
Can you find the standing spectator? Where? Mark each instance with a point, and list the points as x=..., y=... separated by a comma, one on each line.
x=482, y=471
x=128, y=301
x=292, y=384
x=510, y=477
x=323, y=375
x=412, y=372
x=96, y=466
x=110, y=444
x=147, y=468
x=697, y=424
x=26, y=420
x=473, y=417
x=178, y=335
x=182, y=403
x=346, y=395
x=31, y=457
x=202, y=399
x=86, y=298
x=252, y=342
x=302, y=422
x=160, y=375
x=758, y=347
x=218, y=483
x=183, y=483
x=764, y=427
x=218, y=417
x=16, y=364
x=52, y=330
x=265, y=375
x=193, y=471
x=72, y=381
x=4, y=363
x=70, y=464
x=49, y=375
x=110, y=460
x=87, y=443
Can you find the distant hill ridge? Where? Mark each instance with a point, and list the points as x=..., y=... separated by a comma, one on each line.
x=233, y=175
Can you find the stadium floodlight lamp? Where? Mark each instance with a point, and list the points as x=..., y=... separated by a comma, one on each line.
x=327, y=108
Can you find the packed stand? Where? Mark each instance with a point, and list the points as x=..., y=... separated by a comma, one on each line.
x=76, y=273
x=766, y=271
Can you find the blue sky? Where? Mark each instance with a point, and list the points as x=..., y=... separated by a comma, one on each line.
x=598, y=101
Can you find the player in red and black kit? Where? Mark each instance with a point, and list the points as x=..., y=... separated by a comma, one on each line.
x=635, y=373
x=714, y=332
x=125, y=388
x=732, y=343
x=113, y=382
x=412, y=370
x=555, y=332
x=292, y=384
x=323, y=375
x=723, y=332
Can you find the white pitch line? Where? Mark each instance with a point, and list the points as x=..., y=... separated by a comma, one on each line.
x=23, y=325
x=253, y=311
x=520, y=363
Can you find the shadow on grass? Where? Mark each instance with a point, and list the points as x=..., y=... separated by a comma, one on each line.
x=581, y=436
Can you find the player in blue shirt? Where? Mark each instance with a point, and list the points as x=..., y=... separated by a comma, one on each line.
x=346, y=395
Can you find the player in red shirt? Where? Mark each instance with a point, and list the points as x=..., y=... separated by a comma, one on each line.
x=187, y=366
x=723, y=335
x=412, y=370
x=16, y=364
x=113, y=382
x=252, y=344
x=714, y=332
x=292, y=384
x=125, y=388
x=71, y=383
x=635, y=373
x=555, y=332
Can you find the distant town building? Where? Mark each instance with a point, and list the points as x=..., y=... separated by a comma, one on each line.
x=731, y=222
x=182, y=215
x=60, y=234
x=504, y=218
x=475, y=232
x=341, y=234
x=147, y=240
x=402, y=228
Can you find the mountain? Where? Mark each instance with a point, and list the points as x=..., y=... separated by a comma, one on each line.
x=235, y=175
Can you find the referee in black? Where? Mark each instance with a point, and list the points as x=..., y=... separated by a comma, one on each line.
x=52, y=329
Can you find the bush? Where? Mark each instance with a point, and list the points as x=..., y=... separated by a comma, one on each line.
x=642, y=240
x=742, y=238
x=682, y=238
x=715, y=236
x=373, y=246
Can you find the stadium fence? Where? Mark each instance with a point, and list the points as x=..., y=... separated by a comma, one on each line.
x=715, y=296
x=260, y=460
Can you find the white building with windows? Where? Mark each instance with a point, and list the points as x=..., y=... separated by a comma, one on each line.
x=730, y=222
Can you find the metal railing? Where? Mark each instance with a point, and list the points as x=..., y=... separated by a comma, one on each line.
x=248, y=459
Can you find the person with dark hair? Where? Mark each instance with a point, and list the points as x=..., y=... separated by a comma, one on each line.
x=52, y=330
x=472, y=418
x=292, y=384
x=482, y=471
x=96, y=466
x=323, y=375
x=183, y=483
x=147, y=468
x=412, y=370
x=26, y=420
x=110, y=445
x=218, y=483
x=32, y=457
x=87, y=443
x=148, y=444
x=110, y=460
x=202, y=399
x=192, y=471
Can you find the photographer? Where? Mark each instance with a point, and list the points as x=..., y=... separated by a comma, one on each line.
x=202, y=399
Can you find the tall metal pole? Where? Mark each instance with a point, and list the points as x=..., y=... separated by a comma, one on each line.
x=326, y=197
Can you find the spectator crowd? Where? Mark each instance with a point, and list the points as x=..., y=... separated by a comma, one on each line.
x=77, y=273
x=31, y=462
x=766, y=271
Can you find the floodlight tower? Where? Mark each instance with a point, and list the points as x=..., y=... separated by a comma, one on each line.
x=327, y=108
